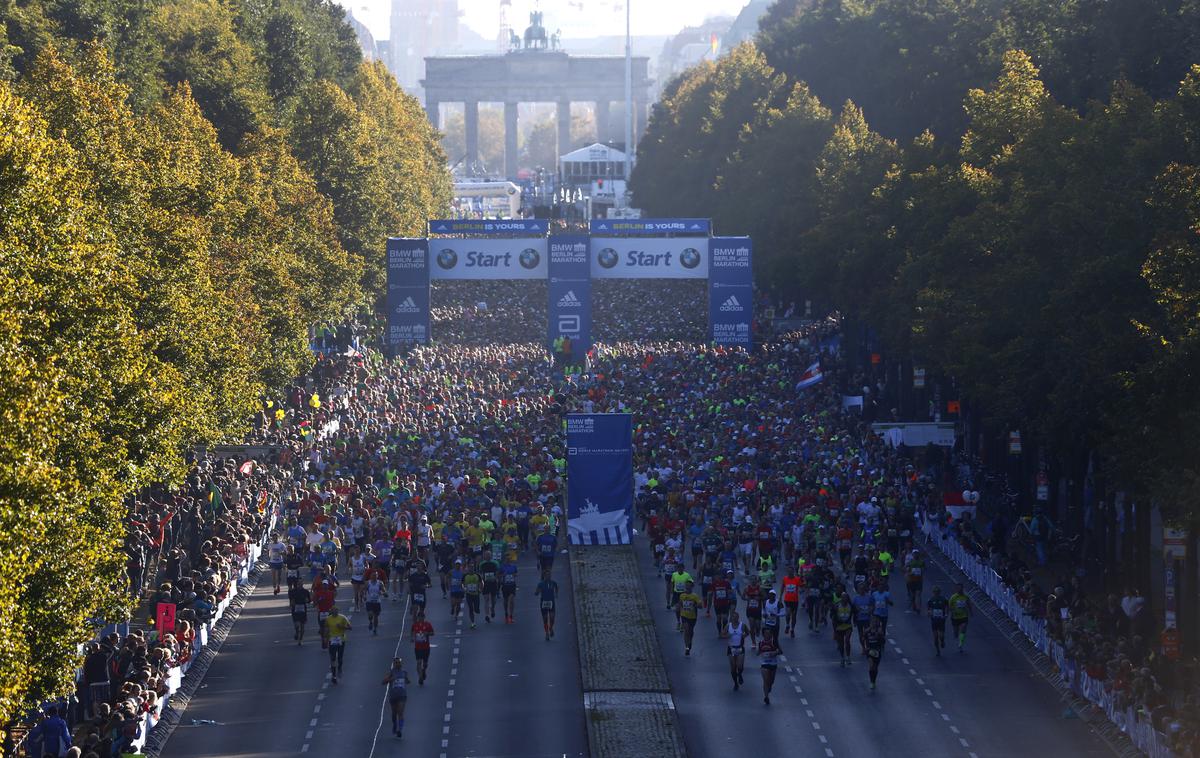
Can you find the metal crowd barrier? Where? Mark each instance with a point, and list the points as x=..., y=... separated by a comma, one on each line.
x=1142, y=734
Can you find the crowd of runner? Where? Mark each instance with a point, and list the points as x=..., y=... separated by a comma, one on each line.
x=769, y=509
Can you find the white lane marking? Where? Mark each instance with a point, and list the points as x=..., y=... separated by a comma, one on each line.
x=810, y=713
x=447, y=718
x=793, y=678
x=945, y=717
x=928, y=692
x=452, y=680
x=304, y=748
x=963, y=742
x=317, y=708
x=937, y=705
x=450, y=693
x=455, y=660
x=920, y=681
x=829, y=752
x=313, y=722
x=445, y=743
x=321, y=696
x=816, y=726
x=899, y=651
x=383, y=702
x=308, y=735
x=803, y=701
x=449, y=705
x=445, y=730
x=822, y=738
x=954, y=729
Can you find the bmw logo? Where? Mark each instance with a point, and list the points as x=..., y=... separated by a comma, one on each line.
x=608, y=257
x=690, y=257
x=529, y=258
x=447, y=259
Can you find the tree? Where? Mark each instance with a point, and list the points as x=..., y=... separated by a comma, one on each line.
x=200, y=46
x=81, y=417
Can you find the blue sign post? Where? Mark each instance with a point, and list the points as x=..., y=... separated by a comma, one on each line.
x=569, y=310
x=408, y=291
x=730, y=291
x=599, y=478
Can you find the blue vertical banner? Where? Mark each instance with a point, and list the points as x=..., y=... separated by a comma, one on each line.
x=569, y=311
x=408, y=291
x=599, y=478
x=730, y=291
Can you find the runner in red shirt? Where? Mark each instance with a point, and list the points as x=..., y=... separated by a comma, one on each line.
x=791, y=598
x=422, y=631
x=323, y=597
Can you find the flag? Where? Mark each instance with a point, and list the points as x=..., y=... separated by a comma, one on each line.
x=214, y=498
x=810, y=377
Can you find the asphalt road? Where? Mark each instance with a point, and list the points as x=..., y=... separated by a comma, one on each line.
x=497, y=690
x=987, y=701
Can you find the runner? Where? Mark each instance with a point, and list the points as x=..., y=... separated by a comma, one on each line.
x=422, y=634
x=397, y=684
x=456, y=588
x=753, y=596
x=843, y=625
x=914, y=578
x=772, y=611
x=298, y=601
x=677, y=584
x=419, y=583
x=489, y=570
x=876, y=639
x=358, y=569
x=768, y=658
x=881, y=601
x=336, y=626
x=546, y=544
x=791, y=598
x=960, y=614
x=938, y=607
x=293, y=562
x=863, y=608
x=689, y=605
x=373, y=593
x=277, y=551
x=737, y=632
x=547, y=592
x=722, y=595
x=508, y=589
x=472, y=584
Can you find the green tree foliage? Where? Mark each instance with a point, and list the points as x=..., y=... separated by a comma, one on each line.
x=82, y=395
x=1042, y=253
x=170, y=231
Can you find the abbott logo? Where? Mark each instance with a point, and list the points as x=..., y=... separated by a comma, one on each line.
x=408, y=306
x=731, y=305
x=569, y=300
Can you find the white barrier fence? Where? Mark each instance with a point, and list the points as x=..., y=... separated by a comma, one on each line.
x=1141, y=733
x=175, y=675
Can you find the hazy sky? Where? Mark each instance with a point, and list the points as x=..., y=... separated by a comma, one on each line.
x=576, y=18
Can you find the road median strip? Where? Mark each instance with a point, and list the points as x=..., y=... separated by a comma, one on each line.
x=626, y=692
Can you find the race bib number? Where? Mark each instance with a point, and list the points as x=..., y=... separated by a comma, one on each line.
x=335, y=641
x=916, y=570
x=547, y=605
x=419, y=598
x=937, y=613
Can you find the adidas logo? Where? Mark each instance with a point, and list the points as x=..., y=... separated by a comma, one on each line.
x=732, y=305
x=408, y=306
x=570, y=301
